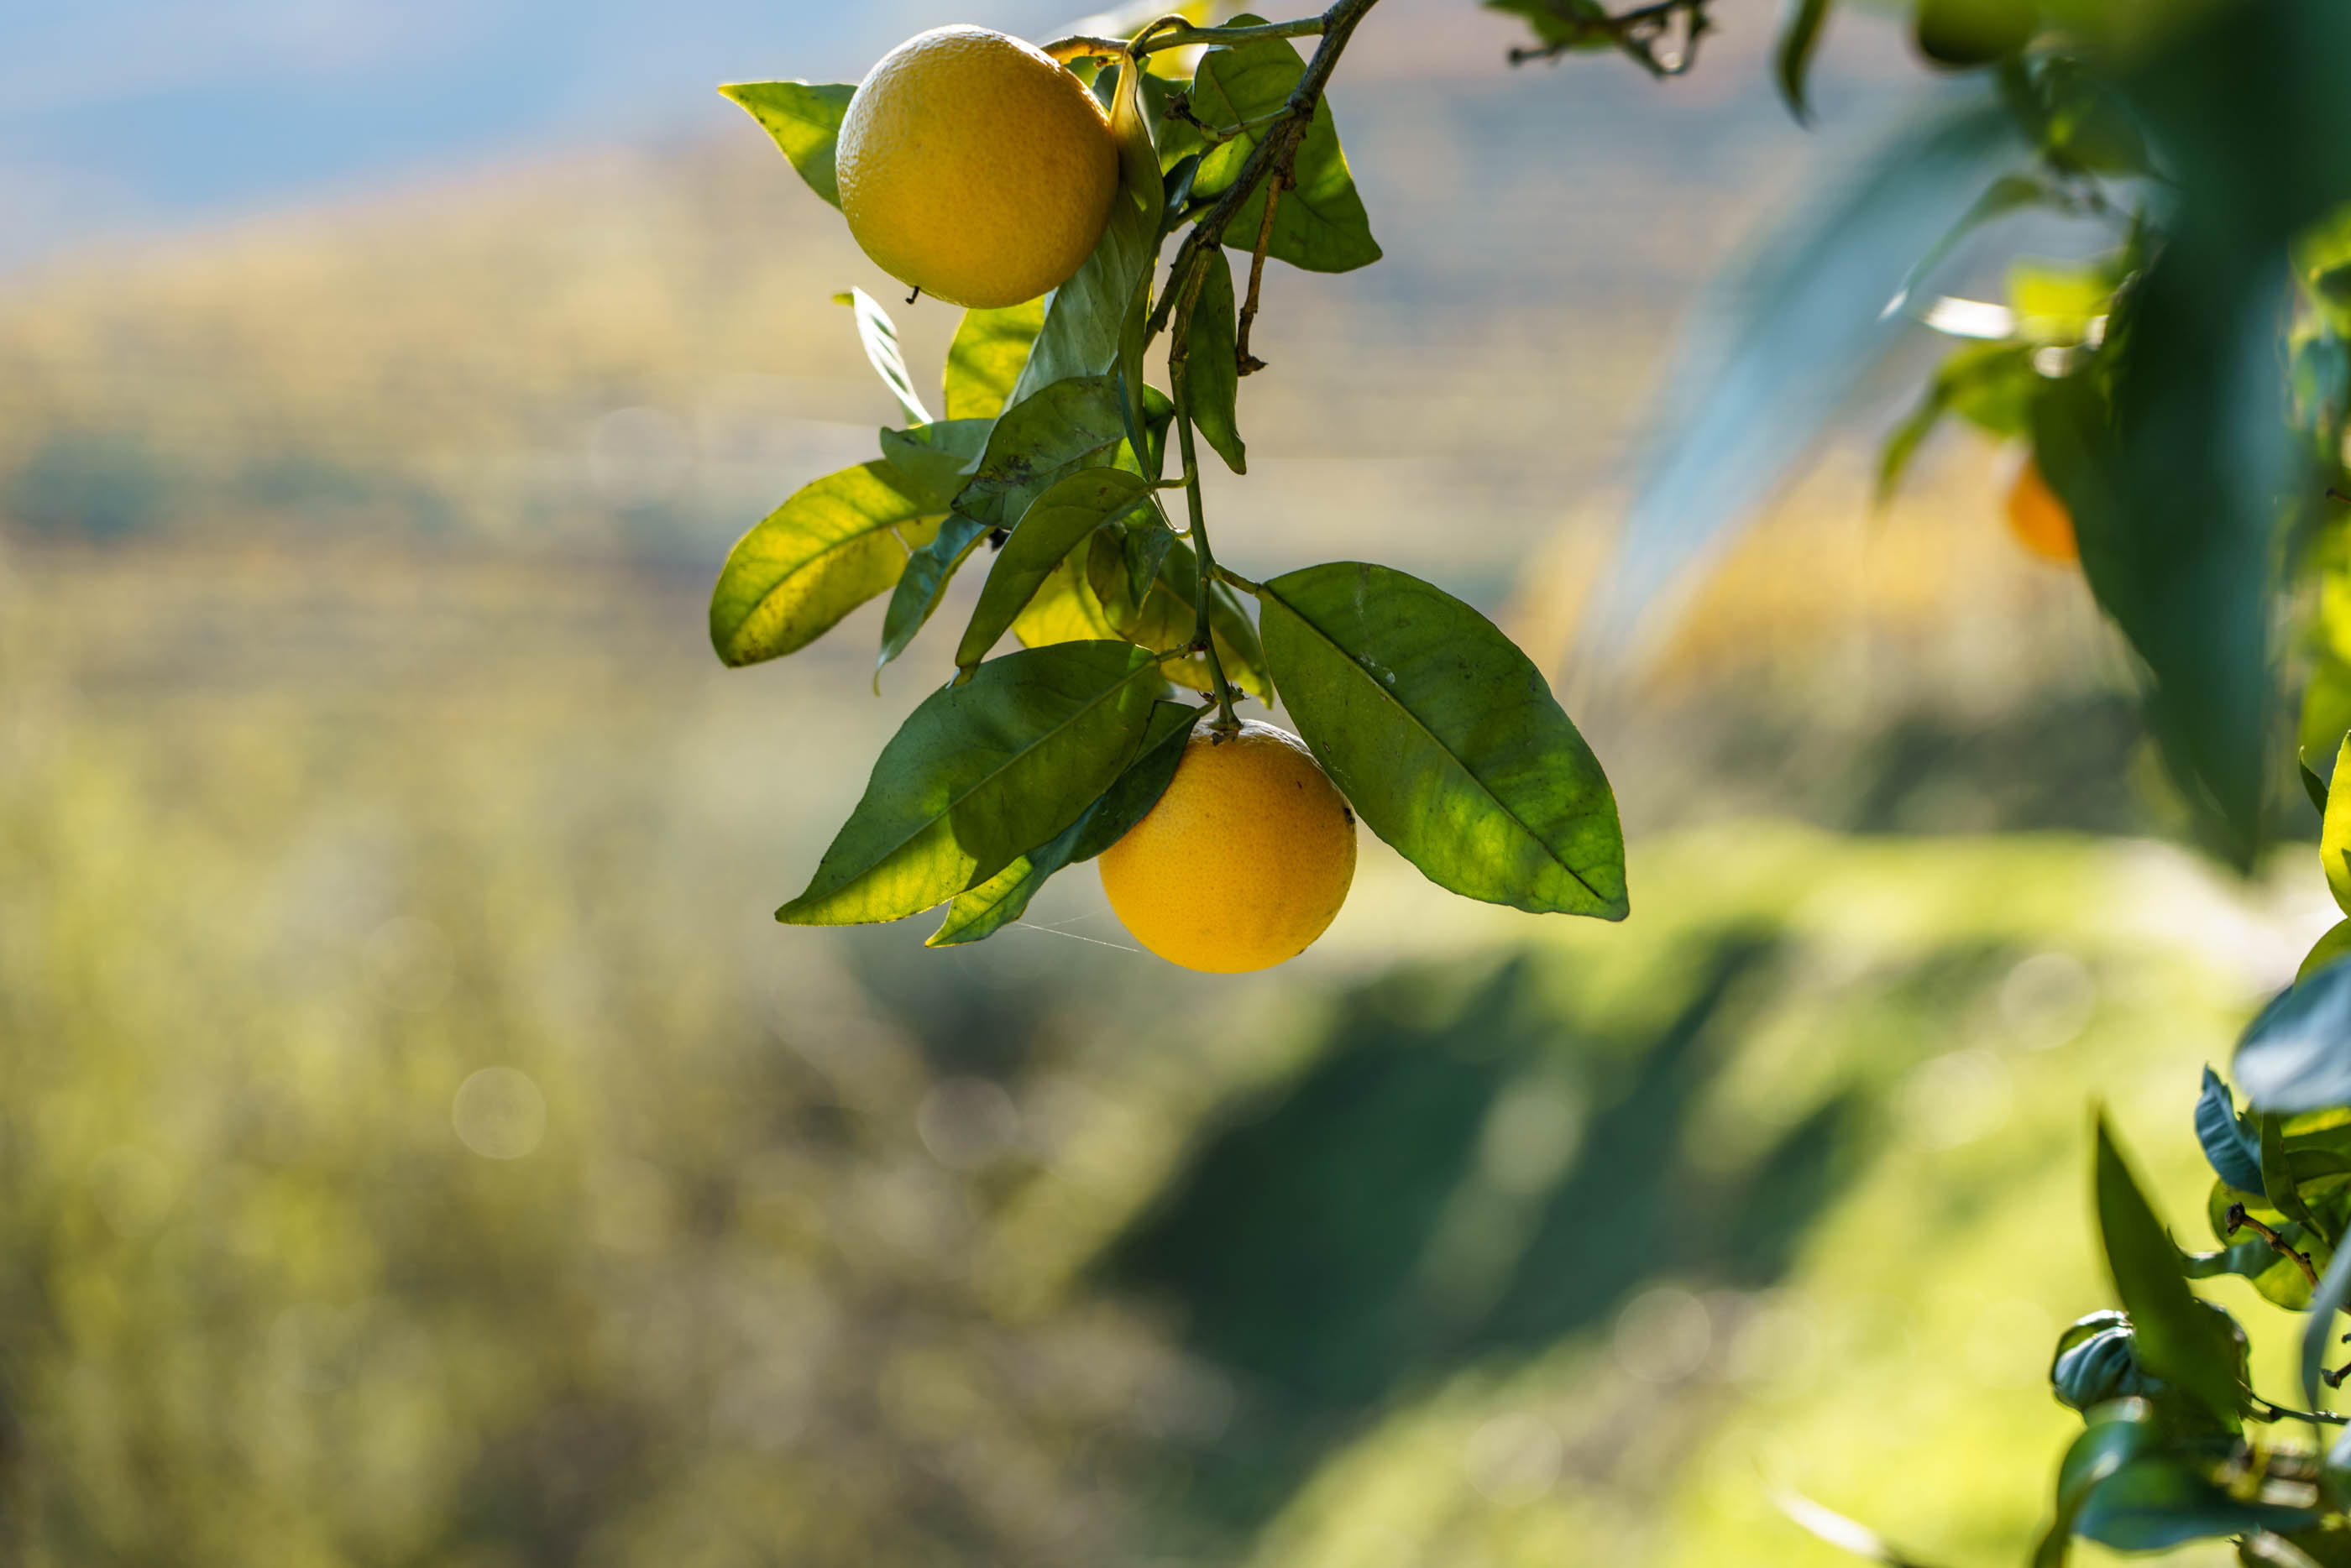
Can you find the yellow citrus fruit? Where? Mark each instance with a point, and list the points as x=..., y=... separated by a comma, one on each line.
x=1244, y=861
x=2039, y=519
x=973, y=167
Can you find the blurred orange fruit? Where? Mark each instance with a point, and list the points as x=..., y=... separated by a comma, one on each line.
x=975, y=167
x=2039, y=519
x=1244, y=861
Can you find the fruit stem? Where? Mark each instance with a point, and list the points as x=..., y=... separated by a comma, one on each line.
x=1203, y=633
x=1183, y=292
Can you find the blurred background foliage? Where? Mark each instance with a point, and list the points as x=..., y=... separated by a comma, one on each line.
x=417, y=1144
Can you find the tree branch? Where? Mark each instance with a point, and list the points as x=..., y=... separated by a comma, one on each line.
x=1244, y=362
x=1174, y=33
x=2238, y=1217
x=1278, y=150
x=1636, y=33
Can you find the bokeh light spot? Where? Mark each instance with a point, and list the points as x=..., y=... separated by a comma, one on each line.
x=2046, y=1001
x=1513, y=1459
x=1663, y=1335
x=967, y=1124
x=499, y=1114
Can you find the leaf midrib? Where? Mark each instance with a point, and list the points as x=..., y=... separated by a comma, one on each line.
x=1435, y=739
x=949, y=809
x=809, y=562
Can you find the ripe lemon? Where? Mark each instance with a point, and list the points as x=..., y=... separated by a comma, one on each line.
x=2039, y=519
x=975, y=167
x=1244, y=861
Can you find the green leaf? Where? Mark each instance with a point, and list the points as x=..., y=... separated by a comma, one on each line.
x=2055, y=302
x=1143, y=540
x=1964, y=34
x=1444, y=738
x=1134, y=396
x=2189, y=589
x=1090, y=594
x=1992, y=386
x=1083, y=318
x=2009, y=193
x=805, y=120
x=2335, y=837
x=1055, y=524
x=2296, y=1056
x=1562, y=21
x=1053, y=432
x=1168, y=614
x=924, y=583
x=2278, y=1278
x=831, y=547
x=2075, y=112
x=1319, y=223
x=2182, y=471
x=1903, y=442
x=2325, y=707
x=2159, y=1501
x=2247, y=1253
x=980, y=774
x=1989, y=385
x=1180, y=175
x=2113, y=1435
x=1780, y=344
x=985, y=360
x=2327, y=949
x=1799, y=36
x=2235, y=1153
x=2178, y=1338
x=1065, y=609
x=1211, y=371
x=879, y=333
x=1176, y=140
x=2318, y=1335
x=937, y=457
x=988, y=908
x=1067, y=425
x=2279, y=1183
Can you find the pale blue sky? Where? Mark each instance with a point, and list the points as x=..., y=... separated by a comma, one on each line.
x=128, y=114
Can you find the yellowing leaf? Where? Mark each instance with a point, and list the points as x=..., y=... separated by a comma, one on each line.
x=831, y=547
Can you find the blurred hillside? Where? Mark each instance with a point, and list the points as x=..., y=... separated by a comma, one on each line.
x=418, y=1145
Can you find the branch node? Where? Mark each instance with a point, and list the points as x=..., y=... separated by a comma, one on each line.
x=2239, y=1219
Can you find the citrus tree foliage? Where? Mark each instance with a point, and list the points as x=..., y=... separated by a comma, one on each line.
x=1067, y=424
x=2184, y=393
